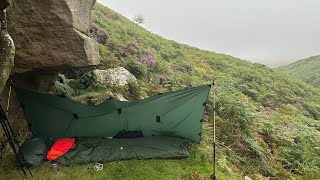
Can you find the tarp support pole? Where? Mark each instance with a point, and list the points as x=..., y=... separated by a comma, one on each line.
x=7, y=113
x=214, y=175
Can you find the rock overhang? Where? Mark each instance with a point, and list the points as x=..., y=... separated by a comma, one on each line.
x=52, y=34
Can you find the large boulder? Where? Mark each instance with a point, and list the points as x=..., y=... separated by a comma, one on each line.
x=116, y=76
x=51, y=34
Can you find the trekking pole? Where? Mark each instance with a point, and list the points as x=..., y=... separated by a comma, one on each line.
x=214, y=176
x=8, y=101
x=7, y=115
x=8, y=133
x=13, y=142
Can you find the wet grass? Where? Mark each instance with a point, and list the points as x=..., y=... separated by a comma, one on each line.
x=190, y=168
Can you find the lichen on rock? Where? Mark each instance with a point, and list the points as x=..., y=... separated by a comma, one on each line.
x=116, y=76
x=7, y=48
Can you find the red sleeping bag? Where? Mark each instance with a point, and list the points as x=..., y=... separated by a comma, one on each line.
x=60, y=147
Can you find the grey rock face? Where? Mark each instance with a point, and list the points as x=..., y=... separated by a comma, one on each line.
x=7, y=49
x=51, y=34
x=116, y=76
x=6, y=57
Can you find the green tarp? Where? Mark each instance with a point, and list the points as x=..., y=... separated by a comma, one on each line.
x=176, y=113
x=105, y=150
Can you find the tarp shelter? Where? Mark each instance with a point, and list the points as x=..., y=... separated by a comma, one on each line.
x=177, y=114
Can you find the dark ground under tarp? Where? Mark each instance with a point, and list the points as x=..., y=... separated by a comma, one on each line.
x=100, y=150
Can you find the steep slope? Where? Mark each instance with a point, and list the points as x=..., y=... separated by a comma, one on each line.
x=307, y=70
x=268, y=124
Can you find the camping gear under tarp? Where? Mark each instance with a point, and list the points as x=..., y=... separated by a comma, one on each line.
x=178, y=113
x=33, y=152
x=60, y=147
x=101, y=150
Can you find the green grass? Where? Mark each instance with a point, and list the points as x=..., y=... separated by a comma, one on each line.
x=123, y=170
x=307, y=70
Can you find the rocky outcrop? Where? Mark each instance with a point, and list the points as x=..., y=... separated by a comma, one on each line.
x=116, y=76
x=99, y=98
x=6, y=58
x=52, y=34
x=49, y=36
x=7, y=48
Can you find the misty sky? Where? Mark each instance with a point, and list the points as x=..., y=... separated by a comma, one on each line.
x=267, y=31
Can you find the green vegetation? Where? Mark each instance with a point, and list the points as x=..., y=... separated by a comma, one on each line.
x=123, y=170
x=268, y=124
x=307, y=70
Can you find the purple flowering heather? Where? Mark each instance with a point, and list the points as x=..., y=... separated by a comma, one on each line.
x=149, y=60
x=93, y=27
x=99, y=33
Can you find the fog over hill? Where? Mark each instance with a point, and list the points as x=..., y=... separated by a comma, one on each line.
x=272, y=32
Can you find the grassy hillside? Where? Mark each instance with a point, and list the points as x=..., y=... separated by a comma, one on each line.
x=307, y=70
x=268, y=124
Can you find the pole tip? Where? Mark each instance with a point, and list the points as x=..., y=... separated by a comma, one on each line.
x=213, y=177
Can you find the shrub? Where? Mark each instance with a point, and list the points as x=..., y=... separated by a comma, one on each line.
x=139, y=18
x=134, y=90
x=130, y=49
x=100, y=34
x=138, y=69
x=314, y=110
x=148, y=59
x=62, y=86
